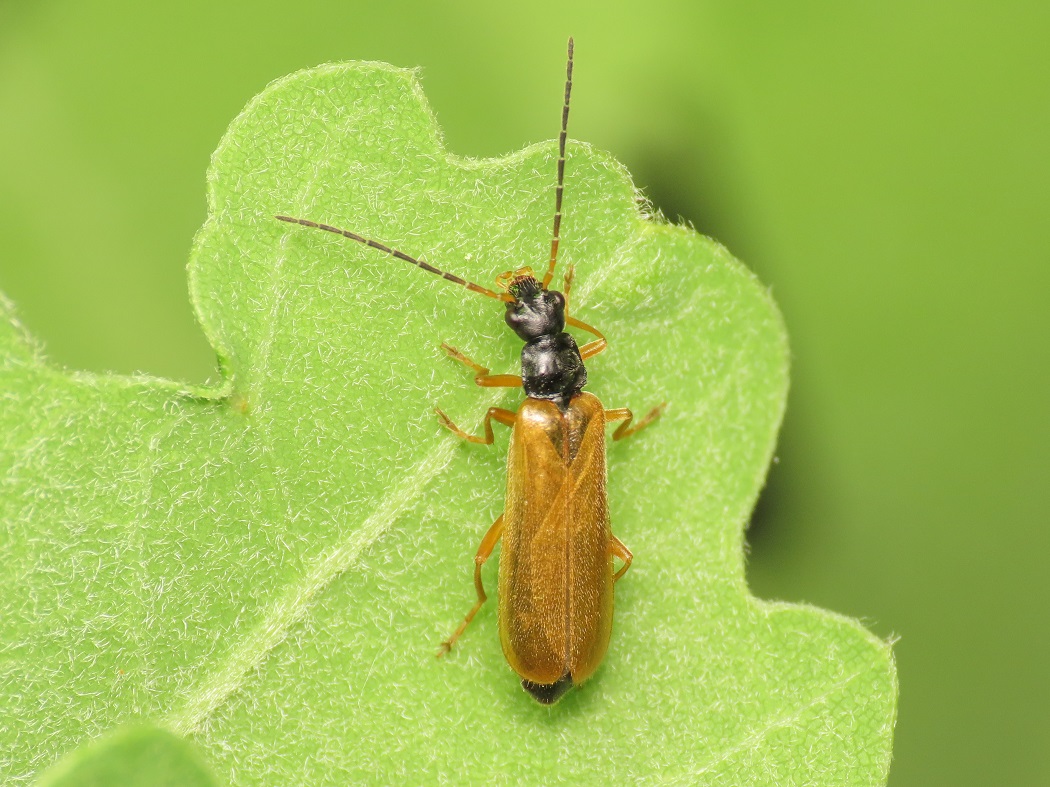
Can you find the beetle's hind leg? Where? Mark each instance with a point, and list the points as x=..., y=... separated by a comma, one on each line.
x=488, y=543
x=625, y=429
x=481, y=373
x=620, y=550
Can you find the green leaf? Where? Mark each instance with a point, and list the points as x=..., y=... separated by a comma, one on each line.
x=268, y=567
x=132, y=757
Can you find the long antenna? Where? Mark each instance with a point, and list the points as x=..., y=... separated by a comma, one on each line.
x=561, y=170
x=401, y=256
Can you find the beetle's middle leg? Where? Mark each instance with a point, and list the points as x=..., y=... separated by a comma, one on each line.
x=488, y=543
x=505, y=417
x=625, y=429
x=481, y=373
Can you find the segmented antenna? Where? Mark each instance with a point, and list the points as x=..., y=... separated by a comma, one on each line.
x=561, y=170
x=401, y=256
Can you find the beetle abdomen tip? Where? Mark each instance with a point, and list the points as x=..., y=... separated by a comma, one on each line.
x=548, y=693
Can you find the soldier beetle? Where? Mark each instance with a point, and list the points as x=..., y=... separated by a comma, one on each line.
x=556, y=567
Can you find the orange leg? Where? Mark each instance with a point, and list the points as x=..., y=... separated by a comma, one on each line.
x=488, y=543
x=505, y=417
x=481, y=374
x=566, y=288
x=590, y=349
x=625, y=429
x=620, y=550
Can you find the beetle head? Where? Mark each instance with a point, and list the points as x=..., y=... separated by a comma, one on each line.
x=534, y=312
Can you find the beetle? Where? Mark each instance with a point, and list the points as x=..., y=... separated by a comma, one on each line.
x=556, y=566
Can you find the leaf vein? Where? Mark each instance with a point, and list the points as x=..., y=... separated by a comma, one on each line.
x=247, y=656
x=771, y=723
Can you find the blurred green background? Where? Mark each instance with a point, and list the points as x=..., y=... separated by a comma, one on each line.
x=883, y=167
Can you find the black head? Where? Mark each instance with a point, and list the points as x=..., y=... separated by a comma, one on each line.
x=534, y=312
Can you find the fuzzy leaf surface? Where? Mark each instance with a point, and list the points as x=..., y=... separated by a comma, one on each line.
x=267, y=566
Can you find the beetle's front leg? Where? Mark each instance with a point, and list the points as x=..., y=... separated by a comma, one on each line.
x=590, y=349
x=481, y=373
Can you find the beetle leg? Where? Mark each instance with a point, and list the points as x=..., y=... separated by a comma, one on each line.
x=505, y=417
x=481, y=374
x=570, y=275
x=625, y=429
x=590, y=349
x=488, y=543
x=620, y=550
